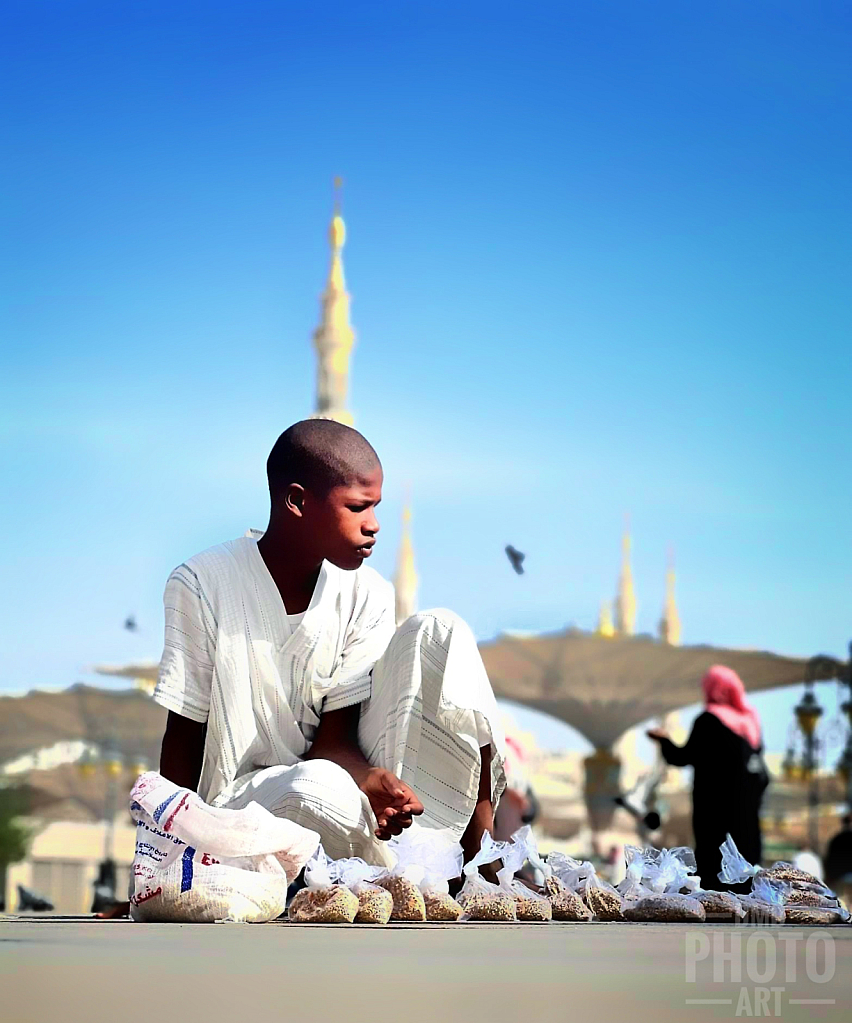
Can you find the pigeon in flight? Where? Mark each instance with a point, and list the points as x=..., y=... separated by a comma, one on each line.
x=516, y=559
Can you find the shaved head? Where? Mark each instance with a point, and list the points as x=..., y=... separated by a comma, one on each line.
x=319, y=454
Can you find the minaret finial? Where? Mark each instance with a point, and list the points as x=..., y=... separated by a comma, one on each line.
x=625, y=601
x=670, y=622
x=405, y=580
x=334, y=337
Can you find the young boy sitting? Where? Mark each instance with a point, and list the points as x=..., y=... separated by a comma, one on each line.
x=287, y=682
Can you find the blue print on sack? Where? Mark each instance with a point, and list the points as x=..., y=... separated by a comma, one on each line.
x=161, y=809
x=186, y=876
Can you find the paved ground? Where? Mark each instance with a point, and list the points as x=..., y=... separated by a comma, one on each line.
x=69, y=970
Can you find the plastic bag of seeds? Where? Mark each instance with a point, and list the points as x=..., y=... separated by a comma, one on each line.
x=721, y=907
x=808, y=895
x=783, y=871
x=662, y=908
x=529, y=905
x=408, y=903
x=735, y=869
x=630, y=886
x=431, y=858
x=601, y=898
x=565, y=903
x=480, y=899
x=659, y=871
x=801, y=888
x=403, y=882
x=322, y=901
x=765, y=903
x=815, y=916
x=569, y=871
x=805, y=902
x=375, y=904
x=668, y=874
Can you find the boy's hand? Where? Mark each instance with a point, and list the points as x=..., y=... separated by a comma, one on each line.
x=392, y=801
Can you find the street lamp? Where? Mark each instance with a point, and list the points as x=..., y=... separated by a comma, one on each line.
x=788, y=765
x=844, y=765
x=826, y=668
x=113, y=767
x=808, y=713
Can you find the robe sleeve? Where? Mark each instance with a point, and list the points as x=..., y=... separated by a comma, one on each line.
x=695, y=747
x=186, y=669
x=367, y=637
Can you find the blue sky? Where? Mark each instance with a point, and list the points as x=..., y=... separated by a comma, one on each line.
x=599, y=262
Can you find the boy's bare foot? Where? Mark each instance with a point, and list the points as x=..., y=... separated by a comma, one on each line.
x=118, y=911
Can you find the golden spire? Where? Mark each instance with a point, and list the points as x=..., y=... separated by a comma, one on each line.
x=625, y=601
x=670, y=622
x=605, y=626
x=405, y=580
x=334, y=337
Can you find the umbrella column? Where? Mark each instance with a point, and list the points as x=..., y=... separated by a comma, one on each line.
x=601, y=787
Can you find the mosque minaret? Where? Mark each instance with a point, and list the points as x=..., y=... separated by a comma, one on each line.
x=334, y=337
x=625, y=601
x=670, y=621
x=405, y=579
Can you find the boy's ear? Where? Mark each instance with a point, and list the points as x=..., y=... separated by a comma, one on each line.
x=294, y=499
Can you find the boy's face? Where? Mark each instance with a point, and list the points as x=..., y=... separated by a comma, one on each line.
x=345, y=522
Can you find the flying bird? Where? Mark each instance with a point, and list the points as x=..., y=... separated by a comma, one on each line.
x=516, y=559
x=130, y=623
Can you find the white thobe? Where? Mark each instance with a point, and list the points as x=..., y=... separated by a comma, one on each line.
x=260, y=681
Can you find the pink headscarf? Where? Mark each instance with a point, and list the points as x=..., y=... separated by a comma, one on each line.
x=724, y=696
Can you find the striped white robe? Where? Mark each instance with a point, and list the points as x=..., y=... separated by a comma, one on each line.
x=233, y=660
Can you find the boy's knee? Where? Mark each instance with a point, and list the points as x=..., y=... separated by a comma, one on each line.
x=330, y=785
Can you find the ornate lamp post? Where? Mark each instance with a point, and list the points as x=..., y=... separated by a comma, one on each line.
x=845, y=764
x=826, y=668
x=808, y=713
x=114, y=767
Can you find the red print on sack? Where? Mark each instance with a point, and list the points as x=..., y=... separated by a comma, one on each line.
x=137, y=900
x=207, y=860
x=167, y=826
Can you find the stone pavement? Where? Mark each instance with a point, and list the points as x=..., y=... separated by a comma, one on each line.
x=76, y=969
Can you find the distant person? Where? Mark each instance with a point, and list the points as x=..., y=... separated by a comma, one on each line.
x=838, y=860
x=288, y=684
x=726, y=751
x=104, y=897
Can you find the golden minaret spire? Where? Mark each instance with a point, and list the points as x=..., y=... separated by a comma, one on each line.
x=405, y=580
x=625, y=601
x=670, y=622
x=334, y=337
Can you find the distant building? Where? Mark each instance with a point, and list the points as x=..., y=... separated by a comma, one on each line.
x=64, y=859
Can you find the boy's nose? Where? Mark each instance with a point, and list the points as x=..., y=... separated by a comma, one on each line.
x=372, y=525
